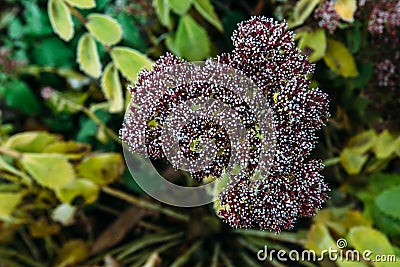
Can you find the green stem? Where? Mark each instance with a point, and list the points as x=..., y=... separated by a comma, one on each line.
x=101, y=124
x=144, y=204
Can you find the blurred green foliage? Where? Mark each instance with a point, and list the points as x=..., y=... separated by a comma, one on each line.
x=65, y=195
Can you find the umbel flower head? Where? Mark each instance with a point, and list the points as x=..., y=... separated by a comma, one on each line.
x=293, y=187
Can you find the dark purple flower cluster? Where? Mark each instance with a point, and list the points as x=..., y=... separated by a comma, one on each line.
x=327, y=16
x=266, y=53
x=385, y=17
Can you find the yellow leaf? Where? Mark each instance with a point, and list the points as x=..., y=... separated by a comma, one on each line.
x=72, y=252
x=79, y=188
x=60, y=19
x=83, y=4
x=340, y=60
x=112, y=90
x=50, y=170
x=9, y=201
x=129, y=61
x=319, y=239
x=31, y=141
x=102, y=168
x=302, y=11
x=88, y=56
x=346, y=9
x=384, y=145
x=104, y=28
x=316, y=41
x=352, y=161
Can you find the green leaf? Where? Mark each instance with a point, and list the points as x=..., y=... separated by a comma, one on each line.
x=37, y=22
x=129, y=61
x=366, y=238
x=31, y=141
x=384, y=145
x=316, y=41
x=60, y=19
x=78, y=188
x=83, y=4
x=191, y=39
x=388, y=202
x=102, y=168
x=88, y=56
x=112, y=90
x=345, y=9
x=9, y=201
x=352, y=161
x=53, y=52
x=340, y=60
x=131, y=32
x=180, y=6
x=362, y=142
x=49, y=170
x=206, y=9
x=162, y=9
x=72, y=252
x=104, y=28
x=302, y=11
x=18, y=95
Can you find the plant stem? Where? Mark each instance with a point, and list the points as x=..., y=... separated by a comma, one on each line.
x=101, y=124
x=144, y=204
x=10, y=152
x=76, y=13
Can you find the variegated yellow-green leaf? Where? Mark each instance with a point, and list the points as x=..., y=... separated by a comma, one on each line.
x=83, y=4
x=162, y=9
x=104, y=28
x=112, y=90
x=102, y=169
x=31, y=141
x=302, y=11
x=180, y=6
x=84, y=188
x=316, y=41
x=9, y=201
x=191, y=40
x=346, y=9
x=50, y=170
x=339, y=59
x=129, y=61
x=60, y=19
x=206, y=9
x=88, y=56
